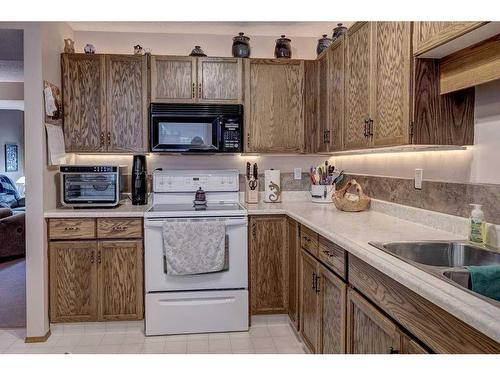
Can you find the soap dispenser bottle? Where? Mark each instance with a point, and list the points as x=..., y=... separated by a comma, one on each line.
x=476, y=221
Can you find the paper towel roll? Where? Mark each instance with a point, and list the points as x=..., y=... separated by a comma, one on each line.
x=272, y=186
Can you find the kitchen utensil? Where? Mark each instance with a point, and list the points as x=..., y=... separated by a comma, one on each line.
x=354, y=202
x=283, y=49
x=322, y=193
x=255, y=172
x=241, y=46
x=248, y=170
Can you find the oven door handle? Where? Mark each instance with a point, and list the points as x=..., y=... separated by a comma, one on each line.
x=228, y=222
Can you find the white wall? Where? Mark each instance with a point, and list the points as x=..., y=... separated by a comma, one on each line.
x=12, y=131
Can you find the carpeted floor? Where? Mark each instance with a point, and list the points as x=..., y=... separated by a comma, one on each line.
x=13, y=294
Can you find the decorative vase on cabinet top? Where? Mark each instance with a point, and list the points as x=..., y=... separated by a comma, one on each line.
x=338, y=31
x=241, y=46
x=283, y=49
x=323, y=44
x=197, y=52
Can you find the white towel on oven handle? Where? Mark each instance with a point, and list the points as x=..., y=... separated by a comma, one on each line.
x=194, y=246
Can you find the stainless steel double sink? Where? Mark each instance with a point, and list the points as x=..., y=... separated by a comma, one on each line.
x=444, y=259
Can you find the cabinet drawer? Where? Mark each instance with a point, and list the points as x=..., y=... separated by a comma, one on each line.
x=67, y=229
x=309, y=240
x=333, y=256
x=119, y=228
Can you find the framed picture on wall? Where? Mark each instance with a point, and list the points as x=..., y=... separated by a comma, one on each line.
x=11, y=158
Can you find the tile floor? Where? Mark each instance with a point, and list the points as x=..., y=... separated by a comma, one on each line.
x=269, y=334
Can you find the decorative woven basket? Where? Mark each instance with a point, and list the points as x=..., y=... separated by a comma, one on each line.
x=344, y=203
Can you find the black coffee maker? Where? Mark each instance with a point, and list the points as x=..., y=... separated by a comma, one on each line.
x=139, y=181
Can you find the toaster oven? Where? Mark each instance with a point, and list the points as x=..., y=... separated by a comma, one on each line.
x=86, y=186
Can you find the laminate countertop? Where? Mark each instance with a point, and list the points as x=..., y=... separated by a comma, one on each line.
x=124, y=209
x=354, y=231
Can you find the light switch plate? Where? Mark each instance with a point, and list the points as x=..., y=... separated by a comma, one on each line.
x=297, y=173
x=418, y=178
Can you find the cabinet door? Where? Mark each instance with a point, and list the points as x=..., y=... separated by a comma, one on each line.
x=268, y=263
x=410, y=346
x=274, y=106
x=309, y=301
x=368, y=330
x=73, y=281
x=84, y=102
x=336, y=73
x=324, y=84
x=293, y=272
x=220, y=80
x=173, y=79
x=391, y=77
x=359, y=85
x=120, y=280
x=332, y=302
x=127, y=103
x=430, y=34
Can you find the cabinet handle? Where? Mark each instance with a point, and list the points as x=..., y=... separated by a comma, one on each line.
x=71, y=228
x=102, y=139
x=248, y=140
x=307, y=239
x=370, y=127
x=393, y=351
x=317, y=284
x=365, y=131
x=200, y=91
x=109, y=139
x=118, y=229
x=326, y=136
x=99, y=257
x=194, y=90
x=92, y=255
x=313, y=286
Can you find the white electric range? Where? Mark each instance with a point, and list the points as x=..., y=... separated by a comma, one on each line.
x=211, y=302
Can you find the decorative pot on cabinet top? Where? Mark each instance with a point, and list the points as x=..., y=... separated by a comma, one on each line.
x=241, y=46
x=283, y=49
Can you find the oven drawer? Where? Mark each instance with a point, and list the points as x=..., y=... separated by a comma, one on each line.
x=119, y=228
x=196, y=312
x=69, y=229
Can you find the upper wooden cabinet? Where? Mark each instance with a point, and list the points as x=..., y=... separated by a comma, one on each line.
x=268, y=265
x=274, y=105
x=359, y=85
x=84, y=101
x=220, y=80
x=127, y=107
x=331, y=98
x=105, y=103
x=391, y=83
x=185, y=79
x=430, y=34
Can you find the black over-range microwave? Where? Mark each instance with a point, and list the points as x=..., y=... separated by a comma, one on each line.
x=196, y=128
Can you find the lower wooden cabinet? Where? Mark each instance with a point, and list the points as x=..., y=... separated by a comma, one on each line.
x=309, y=301
x=368, y=330
x=73, y=281
x=293, y=271
x=120, y=280
x=322, y=313
x=268, y=265
x=93, y=279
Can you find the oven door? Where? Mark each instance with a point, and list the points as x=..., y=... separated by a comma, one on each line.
x=234, y=277
x=185, y=133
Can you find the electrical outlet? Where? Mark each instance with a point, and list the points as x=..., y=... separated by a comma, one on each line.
x=297, y=173
x=418, y=178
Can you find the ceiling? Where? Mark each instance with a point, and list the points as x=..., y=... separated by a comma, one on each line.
x=295, y=29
